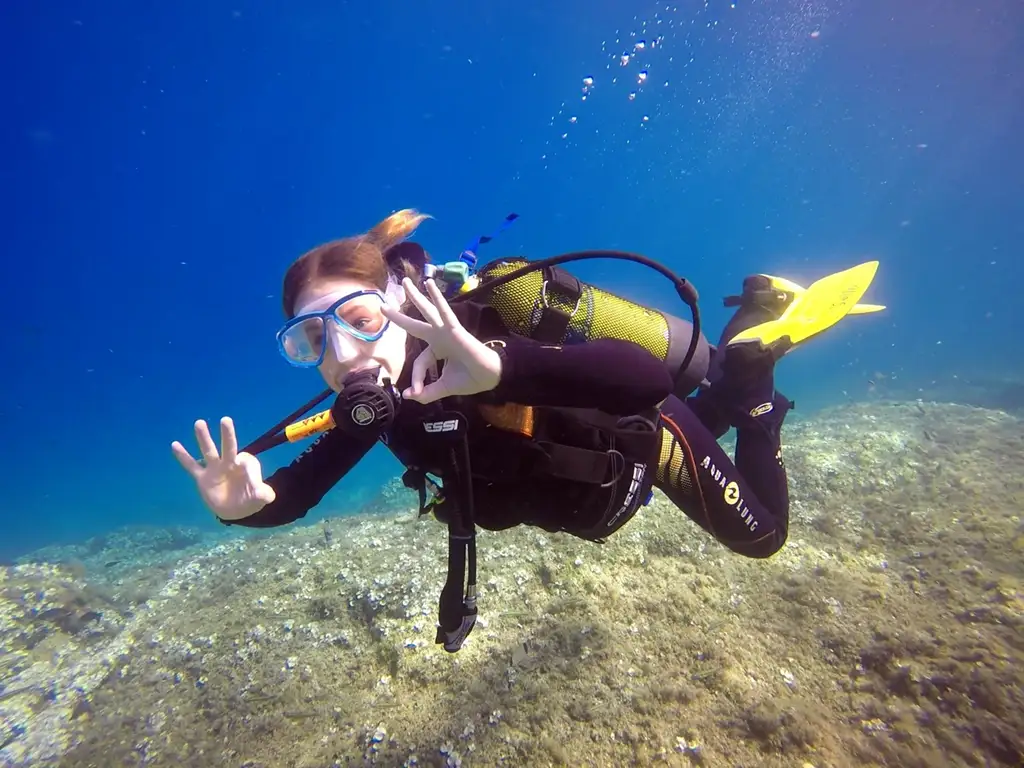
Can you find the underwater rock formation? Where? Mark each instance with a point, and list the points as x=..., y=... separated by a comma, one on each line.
x=886, y=632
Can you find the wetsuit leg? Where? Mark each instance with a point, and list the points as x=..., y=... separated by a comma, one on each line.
x=745, y=505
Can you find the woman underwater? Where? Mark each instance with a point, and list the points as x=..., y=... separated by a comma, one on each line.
x=603, y=423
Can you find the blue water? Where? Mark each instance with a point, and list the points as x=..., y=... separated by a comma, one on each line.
x=164, y=163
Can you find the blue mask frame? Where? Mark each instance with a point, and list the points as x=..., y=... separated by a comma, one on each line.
x=324, y=316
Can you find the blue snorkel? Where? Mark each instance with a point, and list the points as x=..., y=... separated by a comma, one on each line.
x=468, y=254
x=457, y=276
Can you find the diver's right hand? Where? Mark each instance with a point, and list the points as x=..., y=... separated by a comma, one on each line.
x=231, y=484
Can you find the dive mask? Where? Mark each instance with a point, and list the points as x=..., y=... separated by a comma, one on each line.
x=303, y=339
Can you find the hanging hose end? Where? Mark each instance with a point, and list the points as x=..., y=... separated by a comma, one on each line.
x=687, y=292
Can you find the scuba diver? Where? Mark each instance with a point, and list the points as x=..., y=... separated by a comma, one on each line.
x=518, y=395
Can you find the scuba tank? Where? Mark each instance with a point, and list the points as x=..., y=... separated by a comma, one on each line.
x=542, y=301
x=552, y=306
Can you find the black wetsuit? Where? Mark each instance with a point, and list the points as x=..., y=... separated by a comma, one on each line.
x=744, y=505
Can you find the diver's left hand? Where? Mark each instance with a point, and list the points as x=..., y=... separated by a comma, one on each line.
x=470, y=367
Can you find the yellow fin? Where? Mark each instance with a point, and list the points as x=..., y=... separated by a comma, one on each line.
x=866, y=309
x=816, y=308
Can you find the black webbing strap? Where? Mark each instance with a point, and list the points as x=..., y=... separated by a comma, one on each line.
x=553, y=322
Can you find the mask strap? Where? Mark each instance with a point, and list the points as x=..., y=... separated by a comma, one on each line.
x=394, y=291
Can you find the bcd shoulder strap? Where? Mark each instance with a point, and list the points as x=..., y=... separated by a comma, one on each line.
x=554, y=321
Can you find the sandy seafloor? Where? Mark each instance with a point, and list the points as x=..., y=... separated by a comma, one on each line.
x=888, y=631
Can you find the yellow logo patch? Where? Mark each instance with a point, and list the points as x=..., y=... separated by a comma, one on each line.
x=731, y=494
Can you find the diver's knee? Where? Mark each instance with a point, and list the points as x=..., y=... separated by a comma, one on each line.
x=762, y=548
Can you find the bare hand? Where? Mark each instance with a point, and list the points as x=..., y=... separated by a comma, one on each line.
x=470, y=367
x=231, y=484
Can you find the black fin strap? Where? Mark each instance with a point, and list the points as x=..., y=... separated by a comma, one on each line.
x=768, y=298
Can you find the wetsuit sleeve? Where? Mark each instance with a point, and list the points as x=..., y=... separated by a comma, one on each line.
x=614, y=376
x=302, y=484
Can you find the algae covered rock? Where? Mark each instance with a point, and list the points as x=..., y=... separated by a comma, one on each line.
x=886, y=632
